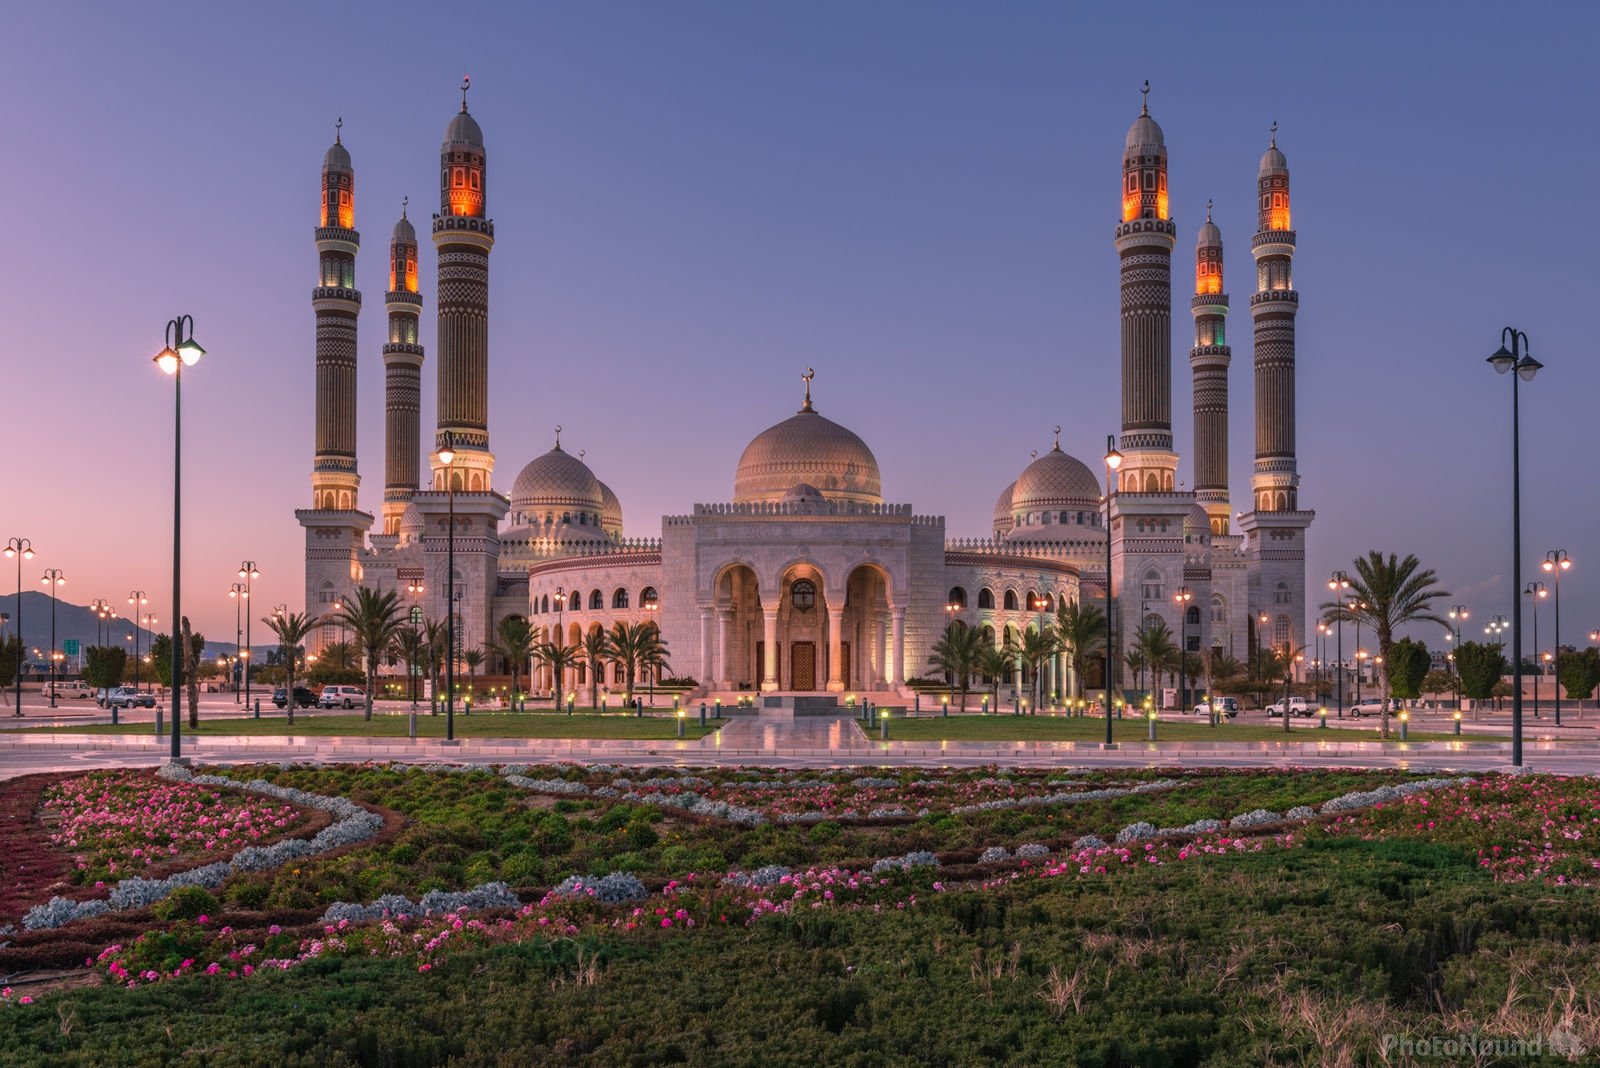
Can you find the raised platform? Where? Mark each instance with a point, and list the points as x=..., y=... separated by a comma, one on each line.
x=802, y=704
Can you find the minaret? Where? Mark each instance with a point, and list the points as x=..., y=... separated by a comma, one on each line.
x=1145, y=237
x=1275, y=483
x=1208, y=361
x=337, y=303
x=464, y=237
x=402, y=378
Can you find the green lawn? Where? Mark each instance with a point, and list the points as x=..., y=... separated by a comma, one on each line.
x=477, y=725
x=1006, y=728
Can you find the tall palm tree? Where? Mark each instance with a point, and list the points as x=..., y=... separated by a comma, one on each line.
x=635, y=645
x=473, y=659
x=1082, y=632
x=596, y=647
x=436, y=643
x=410, y=647
x=996, y=663
x=1390, y=593
x=1037, y=647
x=341, y=656
x=559, y=657
x=959, y=654
x=373, y=619
x=1154, y=640
x=292, y=629
x=514, y=643
x=1133, y=658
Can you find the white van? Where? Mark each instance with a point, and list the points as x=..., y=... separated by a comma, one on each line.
x=65, y=689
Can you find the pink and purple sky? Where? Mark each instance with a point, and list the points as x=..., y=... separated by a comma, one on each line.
x=695, y=201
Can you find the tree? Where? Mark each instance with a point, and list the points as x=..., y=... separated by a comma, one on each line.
x=596, y=647
x=1580, y=673
x=408, y=646
x=1408, y=668
x=559, y=657
x=1081, y=629
x=959, y=654
x=102, y=666
x=1037, y=647
x=341, y=655
x=435, y=642
x=1390, y=593
x=374, y=619
x=634, y=645
x=10, y=661
x=1438, y=682
x=473, y=659
x=1480, y=666
x=161, y=655
x=514, y=643
x=292, y=629
x=1154, y=642
x=195, y=644
x=995, y=664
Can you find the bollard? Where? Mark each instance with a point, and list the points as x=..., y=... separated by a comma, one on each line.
x=1405, y=723
x=944, y=703
x=158, y=721
x=258, y=708
x=413, y=726
x=638, y=708
x=1458, y=722
x=883, y=726
x=702, y=713
x=1152, y=726
x=680, y=722
x=571, y=704
x=1323, y=714
x=916, y=699
x=985, y=706
x=1014, y=702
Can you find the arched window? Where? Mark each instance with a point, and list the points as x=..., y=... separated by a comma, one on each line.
x=1280, y=633
x=1152, y=588
x=1192, y=616
x=1280, y=594
x=1032, y=601
x=1219, y=610
x=1049, y=603
x=596, y=601
x=986, y=598
x=544, y=603
x=647, y=597
x=803, y=595
x=575, y=600
x=1010, y=601
x=619, y=599
x=958, y=597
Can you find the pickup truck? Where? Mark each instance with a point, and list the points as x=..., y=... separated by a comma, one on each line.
x=1297, y=707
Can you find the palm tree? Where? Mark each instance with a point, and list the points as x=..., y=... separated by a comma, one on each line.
x=514, y=643
x=292, y=629
x=436, y=643
x=1154, y=640
x=1082, y=632
x=1389, y=593
x=996, y=663
x=410, y=647
x=635, y=645
x=596, y=647
x=559, y=657
x=373, y=619
x=959, y=654
x=341, y=656
x=473, y=659
x=1135, y=662
x=1037, y=647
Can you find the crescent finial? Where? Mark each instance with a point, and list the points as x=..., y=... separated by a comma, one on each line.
x=466, y=83
x=1274, y=133
x=338, y=130
x=558, y=435
x=806, y=378
x=1144, y=108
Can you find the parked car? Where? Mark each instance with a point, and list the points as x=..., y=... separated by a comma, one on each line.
x=303, y=698
x=128, y=697
x=342, y=697
x=1297, y=707
x=73, y=688
x=1226, y=706
x=1367, y=708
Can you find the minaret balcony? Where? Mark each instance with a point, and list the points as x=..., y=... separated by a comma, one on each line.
x=336, y=293
x=1273, y=237
x=403, y=296
x=1274, y=296
x=340, y=234
x=467, y=223
x=1209, y=304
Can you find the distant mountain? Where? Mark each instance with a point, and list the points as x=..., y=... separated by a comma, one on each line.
x=81, y=622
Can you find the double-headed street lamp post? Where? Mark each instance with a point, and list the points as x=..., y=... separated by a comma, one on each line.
x=181, y=350
x=52, y=578
x=1182, y=598
x=1458, y=612
x=416, y=589
x=102, y=612
x=1338, y=583
x=248, y=572
x=21, y=549
x=138, y=600
x=1535, y=592
x=1113, y=461
x=239, y=591
x=1517, y=360
x=1352, y=607
x=447, y=457
x=1555, y=562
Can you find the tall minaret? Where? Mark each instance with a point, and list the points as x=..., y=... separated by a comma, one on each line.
x=402, y=378
x=1275, y=483
x=337, y=303
x=1145, y=237
x=464, y=237
x=1208, y=361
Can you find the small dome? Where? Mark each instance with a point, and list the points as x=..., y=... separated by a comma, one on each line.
x=1145, y=134
x=1210, y=236
x=1055, y=480
x=1273, y=162
x=463, y=130
x=610, y=511
x=337, y=159
x=803, y=493
x=404, y=232
x=411, y=522
x=1002, y=507
x=1197, y=521
x=557, y=482
x=806, y=448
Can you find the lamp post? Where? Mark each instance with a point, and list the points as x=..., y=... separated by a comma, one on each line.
x=1338, y=583
x=102, y=612
x=238, y=592
x=416, y=589
x=181, y=350
x=1536, y=592
x=1182, y=598
x=52, y=578
x=247, y=571
x=1555, y=562
x=1516, y=359
x=652, y=607
x=1356, y=605
x=21, y=549
x=137, y=599
x=1458, y=612
x=447, y=456
x=1113, y=461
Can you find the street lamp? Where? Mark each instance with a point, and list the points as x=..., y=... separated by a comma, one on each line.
x=137, y=599
x=651, y=607
x=1182, y=599
x=1338, y=583
x=1113, y=461
x=1458, y=612
x=446, y=455
x=416, y=589
x=1536, y=592
x=1355, y=606
x=52, y=578
x=239, y=592
x=1555, y=562
x=102, y=611
x=1503, y=360
x=21, y=549
x=247, y=571
x=181, y=350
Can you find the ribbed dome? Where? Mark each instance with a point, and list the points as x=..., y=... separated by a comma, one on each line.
x=463, y=130
x=807, y=448
x=1002, y=506
x=610, y=510
x=411, y=522
x=557, y=482
x=1055, y=480
x=1273, y=161
x=1144, y=133
x=1210, y=236
x=1197, y=521
x=337, y=159
x=404, y=232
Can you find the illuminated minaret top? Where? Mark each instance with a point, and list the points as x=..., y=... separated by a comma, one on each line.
x=337, y=303
x=1208, y=361
x=1276, y=480
x=463, y=236
x=1145, y=236
x=402, y=375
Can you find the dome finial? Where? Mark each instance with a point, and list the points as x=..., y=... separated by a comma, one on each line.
x=1274, y=133
x=338, y=128
x=1058, y=441
x=1144, y=105
x=582, y=453
x=405, y=202
x=1208, y=209
x=558, y=437
x=806, y=378
x=1033, y=454
x=466, y=83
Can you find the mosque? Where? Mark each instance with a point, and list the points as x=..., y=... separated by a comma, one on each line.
x=807, y=578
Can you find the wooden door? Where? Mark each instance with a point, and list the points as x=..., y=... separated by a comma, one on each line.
x=803, y=666
x=844, y=664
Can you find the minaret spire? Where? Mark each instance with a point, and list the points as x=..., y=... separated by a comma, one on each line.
x=1208, y=363
x=337, y=303
x=1273, y=308
x=402, y=376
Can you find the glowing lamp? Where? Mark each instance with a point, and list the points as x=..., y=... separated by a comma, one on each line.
x=447, y=455
x=189, y=351
x=167, y=359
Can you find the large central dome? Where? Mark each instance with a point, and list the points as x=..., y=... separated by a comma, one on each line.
x=807, y=448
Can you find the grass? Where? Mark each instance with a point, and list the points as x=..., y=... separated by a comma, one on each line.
x=387, y=725
x=1006, y=728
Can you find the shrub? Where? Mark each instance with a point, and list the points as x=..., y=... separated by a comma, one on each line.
x=523, y=869
x=186, y=903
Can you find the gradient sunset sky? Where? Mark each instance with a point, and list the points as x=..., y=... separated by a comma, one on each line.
x=695, y=201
